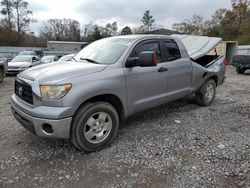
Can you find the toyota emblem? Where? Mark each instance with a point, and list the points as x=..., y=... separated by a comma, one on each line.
x=20, y=91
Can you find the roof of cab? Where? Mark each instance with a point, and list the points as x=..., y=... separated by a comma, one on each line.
x=196, y=46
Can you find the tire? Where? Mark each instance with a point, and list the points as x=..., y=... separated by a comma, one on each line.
x=240, y=70
x=94, y=126
x=1, y=75
x=205, y=96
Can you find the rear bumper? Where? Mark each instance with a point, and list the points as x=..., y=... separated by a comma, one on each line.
x=60, y=127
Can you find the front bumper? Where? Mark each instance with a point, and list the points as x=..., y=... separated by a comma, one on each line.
x=37, y=125
x=15, y=70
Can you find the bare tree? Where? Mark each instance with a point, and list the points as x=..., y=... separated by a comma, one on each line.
x=61, y=29
x=126, y=31
x=110, y=29
x=22, y=15
x=194, y=26
x=7, y=11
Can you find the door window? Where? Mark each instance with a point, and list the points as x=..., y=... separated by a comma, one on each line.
x=149, y=46
x=173, y=51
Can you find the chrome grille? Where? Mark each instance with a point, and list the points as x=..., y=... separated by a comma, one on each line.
x=24, y=91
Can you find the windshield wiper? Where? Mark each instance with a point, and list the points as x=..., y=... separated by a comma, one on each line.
x=90, y=60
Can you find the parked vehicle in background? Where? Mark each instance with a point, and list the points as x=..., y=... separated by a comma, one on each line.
x=21, y=63
x=49, y=59
x=27, y=53
x=3, y=67
x=241, y=62
x=66, y=57
x=8, y=57
x=110, y=79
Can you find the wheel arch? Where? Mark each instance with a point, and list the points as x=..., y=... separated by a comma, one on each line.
x=215, y=78
x=109, y=98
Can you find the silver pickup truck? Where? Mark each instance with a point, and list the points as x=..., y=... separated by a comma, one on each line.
x=87, y=98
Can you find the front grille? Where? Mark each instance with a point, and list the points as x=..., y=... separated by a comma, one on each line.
x=24, y=91
x=14, y=67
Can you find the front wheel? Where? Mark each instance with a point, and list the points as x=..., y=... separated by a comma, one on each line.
x=94, y=126
x=240, y=70
x=1, y=75
x=205, y=96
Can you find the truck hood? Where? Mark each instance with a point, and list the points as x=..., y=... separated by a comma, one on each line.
x=53, y=73
x=198, y=46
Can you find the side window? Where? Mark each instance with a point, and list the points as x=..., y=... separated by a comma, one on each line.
x=173, y=51
x=150, y=46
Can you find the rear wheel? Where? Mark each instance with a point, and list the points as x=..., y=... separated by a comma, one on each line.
x=205, y=96
x=240, y=70
x=1, y=75
x=94, y=126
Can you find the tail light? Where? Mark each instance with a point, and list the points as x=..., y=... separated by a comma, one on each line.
x=225, y=62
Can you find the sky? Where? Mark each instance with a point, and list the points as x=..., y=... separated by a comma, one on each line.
x=124, y=12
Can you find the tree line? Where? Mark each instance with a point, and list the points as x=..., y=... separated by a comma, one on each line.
x=230, y=24
x=16, y=19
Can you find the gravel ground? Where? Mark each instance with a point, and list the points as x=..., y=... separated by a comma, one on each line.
x=176, y=145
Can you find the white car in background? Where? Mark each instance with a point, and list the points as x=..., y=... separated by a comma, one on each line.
x=49, y=58
x=21, y=63
x=66, y=57
x=30, y=52
x=27, y=52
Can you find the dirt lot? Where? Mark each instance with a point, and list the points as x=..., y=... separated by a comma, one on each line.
x=176, y=145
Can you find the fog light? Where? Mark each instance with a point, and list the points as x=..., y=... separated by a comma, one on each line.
x=47, y=128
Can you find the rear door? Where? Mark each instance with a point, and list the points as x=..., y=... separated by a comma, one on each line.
x=179, y=74
x=146, y=86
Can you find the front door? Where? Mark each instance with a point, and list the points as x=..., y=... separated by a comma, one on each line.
x=146, y=86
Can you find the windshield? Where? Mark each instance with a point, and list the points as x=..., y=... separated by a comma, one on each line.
x=22, y=59
x=27, y=53
x=46, y=58
x=105, y=51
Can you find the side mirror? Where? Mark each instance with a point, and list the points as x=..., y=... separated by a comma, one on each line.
x=148, y=59
x=34, y=60
x=145, y=59
x=132, y=62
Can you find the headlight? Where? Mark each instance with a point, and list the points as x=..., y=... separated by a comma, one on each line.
x=54, y=91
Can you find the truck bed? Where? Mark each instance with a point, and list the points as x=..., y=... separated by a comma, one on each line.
x=206, y=61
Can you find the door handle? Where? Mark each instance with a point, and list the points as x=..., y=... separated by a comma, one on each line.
x=162, y=69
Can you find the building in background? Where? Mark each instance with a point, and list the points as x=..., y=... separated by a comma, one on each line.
x=64, y=47
x=228, y=49
x=12, y=51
